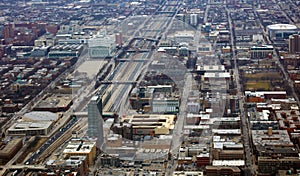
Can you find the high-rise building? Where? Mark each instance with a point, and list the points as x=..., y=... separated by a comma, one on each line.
x=194, y=19
x=95, y=121
x=294, y=44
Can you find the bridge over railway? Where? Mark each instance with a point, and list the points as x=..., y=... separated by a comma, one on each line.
x=145, y=38
x=118, y=82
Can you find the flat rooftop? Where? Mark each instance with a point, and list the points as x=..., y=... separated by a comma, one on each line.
x=40, y=116
x=9, y=146
x=79, y=147
x=55, y=101
x=277, y=138
x=228, y=163
x=227, y=131
x=233, y=168
x=262, y=93
x=210, y=68
x=21, y=126
x=216, y=75
x=150, y=120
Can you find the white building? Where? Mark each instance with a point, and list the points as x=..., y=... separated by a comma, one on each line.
x=260, y=52
x=30, y=128
x=183, y=37
x=34, y=123
x=281, y=31
x=101, y=46
x=165, y=105
x=230, y=163
x=194, y=19
x=216, y=75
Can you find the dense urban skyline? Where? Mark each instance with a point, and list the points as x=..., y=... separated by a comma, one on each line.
x=158, y=87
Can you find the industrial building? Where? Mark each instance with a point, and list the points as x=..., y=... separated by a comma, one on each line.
x=227, y=147
x=9, y=149
x=155, y=99
x=216, y=80
x=110, y=160
x=40, y=116
x=65, y=50
x=150, y=124
x=188, y=173
x=216, y=75
x=78, y=147
x=183, y=36
x=210, y=68
x=155, y=151
x=55, y=103
x=204, y=46
x=229, y=163
x=165, y=105
x=63, y=54
x=30, y=128
x=34, y=123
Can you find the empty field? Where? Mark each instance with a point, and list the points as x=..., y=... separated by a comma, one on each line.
x=257, y=86
x=263, y=76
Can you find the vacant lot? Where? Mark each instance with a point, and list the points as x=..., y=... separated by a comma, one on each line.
x=258, y=86
x=263, y=76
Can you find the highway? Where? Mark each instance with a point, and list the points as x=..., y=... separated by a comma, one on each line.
x=63, y=133
x=115, y=95
x=75, y=125
x=62, y=130
x=50, y=141
x=41, y=151
x=127, y=71
x=18, y=155
x=31, y=104
x=35, y=161
x=37, y=98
